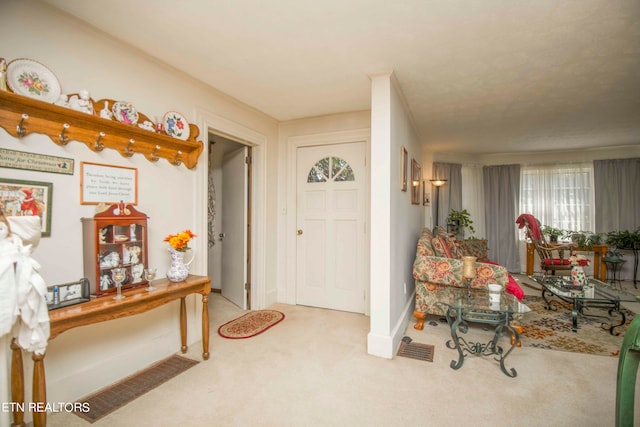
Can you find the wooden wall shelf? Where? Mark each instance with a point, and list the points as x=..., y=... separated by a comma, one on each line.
x=20, y=116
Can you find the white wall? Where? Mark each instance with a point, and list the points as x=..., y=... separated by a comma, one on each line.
x=397, y=222
x=85, y=359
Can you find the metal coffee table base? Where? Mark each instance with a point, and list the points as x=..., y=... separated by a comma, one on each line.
x=579, y=304
x=457, y=319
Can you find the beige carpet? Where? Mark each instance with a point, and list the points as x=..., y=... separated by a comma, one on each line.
x=313, y=370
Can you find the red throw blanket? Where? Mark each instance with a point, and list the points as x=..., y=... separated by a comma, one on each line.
x=533, y=225
x=512, y=287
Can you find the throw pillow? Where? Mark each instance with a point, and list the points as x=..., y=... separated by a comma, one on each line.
x=441, y=247
x=440, y=231
x=425, y=247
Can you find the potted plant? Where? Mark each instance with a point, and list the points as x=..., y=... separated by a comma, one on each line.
x=584, y=239
x=552, y=232
x=457, y=221
x=622, y=239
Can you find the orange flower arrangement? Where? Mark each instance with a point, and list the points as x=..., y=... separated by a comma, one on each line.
x=180, y=241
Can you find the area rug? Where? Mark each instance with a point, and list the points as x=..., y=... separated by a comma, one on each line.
x=551, y=329
x=250, y=324
x=109, y=399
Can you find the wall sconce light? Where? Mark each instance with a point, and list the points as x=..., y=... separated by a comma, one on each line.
x=415, y=183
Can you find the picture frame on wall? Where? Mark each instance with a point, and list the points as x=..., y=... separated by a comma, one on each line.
x=26, y=198
x=426, y=196
x=416, y=180
x=108, y=184
x=404, y=168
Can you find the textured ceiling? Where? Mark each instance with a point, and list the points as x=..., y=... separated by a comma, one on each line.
x=478, y=76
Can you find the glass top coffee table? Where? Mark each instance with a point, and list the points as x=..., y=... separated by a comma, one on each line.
x=595, y=294
x=464, y=305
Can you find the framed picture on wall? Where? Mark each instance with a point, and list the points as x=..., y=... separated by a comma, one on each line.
x=404, y=168
x=23, y=198
x=108, y=184
x=416, y=180
x=426, y=196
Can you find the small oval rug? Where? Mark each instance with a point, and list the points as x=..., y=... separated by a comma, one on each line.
x=250, y=324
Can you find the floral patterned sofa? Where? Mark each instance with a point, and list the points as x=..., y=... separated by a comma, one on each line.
x=438, y=267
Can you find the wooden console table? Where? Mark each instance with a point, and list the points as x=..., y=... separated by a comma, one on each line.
x=599, y=252
x=97, y=310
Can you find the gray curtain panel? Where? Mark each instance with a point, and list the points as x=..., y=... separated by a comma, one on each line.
x=449, y=196
x=617, y=194
x=502, y=198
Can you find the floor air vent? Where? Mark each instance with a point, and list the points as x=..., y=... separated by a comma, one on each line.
x=415, y=350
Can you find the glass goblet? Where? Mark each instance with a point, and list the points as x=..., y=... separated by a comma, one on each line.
x=150, y=274
x=118, y=275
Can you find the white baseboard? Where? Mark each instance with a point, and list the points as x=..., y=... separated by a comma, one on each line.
x=386, y=345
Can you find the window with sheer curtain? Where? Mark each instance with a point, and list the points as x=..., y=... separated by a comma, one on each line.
x=559, y=195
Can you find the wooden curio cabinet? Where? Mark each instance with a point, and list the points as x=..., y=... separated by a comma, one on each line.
x=115, y=238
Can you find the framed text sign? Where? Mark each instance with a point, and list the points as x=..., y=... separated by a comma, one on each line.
x=107, y=184
x=36, y=162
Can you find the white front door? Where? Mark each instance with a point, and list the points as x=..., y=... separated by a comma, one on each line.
x=234, y=227
x=330, y=245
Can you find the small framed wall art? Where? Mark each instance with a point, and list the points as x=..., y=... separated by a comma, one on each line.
x=23, y=198
x=404, y=168
x=426, y=196
x=416, y=180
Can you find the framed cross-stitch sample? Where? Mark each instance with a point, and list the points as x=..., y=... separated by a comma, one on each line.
x=23, y=198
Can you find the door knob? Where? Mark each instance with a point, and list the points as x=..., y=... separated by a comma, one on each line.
x=299, y=232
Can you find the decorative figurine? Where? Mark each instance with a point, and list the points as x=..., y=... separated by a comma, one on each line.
x=137, y=271
x=104, y=282
x=84, y=103
x=105, y=113
x=74, y=103
x=63, y=101
x=3, y=74
x=103, y=235
x=147, y=125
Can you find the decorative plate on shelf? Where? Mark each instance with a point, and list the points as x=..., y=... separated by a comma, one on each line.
x=30, y=78
x=176, y=125
x=125, y=112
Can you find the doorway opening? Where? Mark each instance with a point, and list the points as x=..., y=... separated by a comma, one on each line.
x=229, y=219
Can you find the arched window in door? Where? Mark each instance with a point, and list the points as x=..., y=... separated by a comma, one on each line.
x=331, y=169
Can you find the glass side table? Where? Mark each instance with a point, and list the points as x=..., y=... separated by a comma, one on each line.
x=464, y=306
